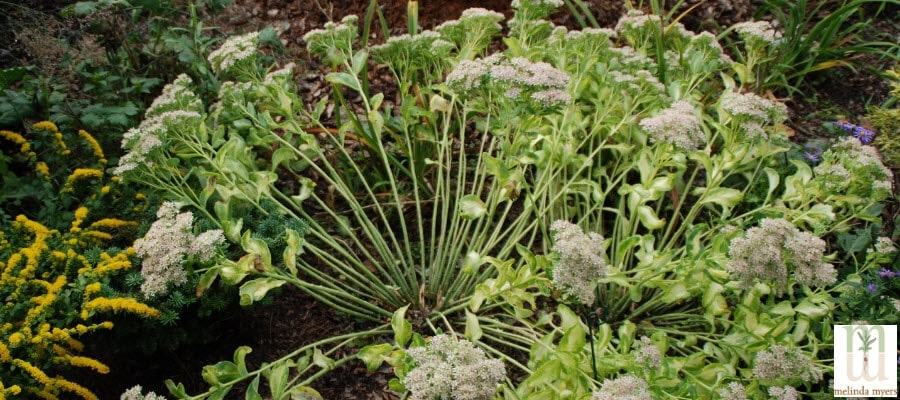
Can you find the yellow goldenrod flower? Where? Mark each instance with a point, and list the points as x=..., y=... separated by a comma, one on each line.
x=113, y=223
x=114, y=179
x=16, y=339
x=42, y=302
x=95, y=146
x=24, y=146
x=82, y=173
x=80, y=214
x=92, y=288
x=4, y=353
x=87, y=362
x=140, y=196
x=74, y=388
x=104, y=189
x=97, y=235
x=48, y=126
x=122, y=304
x=42, y=169
x=12, y=390
x=35, y=373
x=74, y=344
x=110, y=264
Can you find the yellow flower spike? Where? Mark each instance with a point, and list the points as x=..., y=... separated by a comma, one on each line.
x=95, y=146
x=97, y=236
x=35, y=373
x=24, y=146
x=48, y=126
x=82, y=173
x=92, y=288
x=4, y=353
x=140, y=196
x=87, y=362
x=113, y=223
x=74, y=388
x=12, y=390
x=117, y=263
x=80, y=214
x=42, y=168
x=104, y=190
x=15, y=339
x=75, y=344
x=122, y=304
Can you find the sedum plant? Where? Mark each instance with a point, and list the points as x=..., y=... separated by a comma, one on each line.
x=59, y=264
x=588, y=197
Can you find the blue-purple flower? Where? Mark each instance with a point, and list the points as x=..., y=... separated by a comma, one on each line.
x=812, y=152
x=871, y=287
x=864, y=135
x=886, y=273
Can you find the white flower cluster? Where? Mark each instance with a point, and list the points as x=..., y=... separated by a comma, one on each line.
x=884, y=245
x=766, y=252
x=706, y=43
x=280, y=76
x=753, y=112
x=340, y=36
x=448, y=368
x=623, y=388
x=177, y=108
x=545, y=83
x=636, y=20
x=175, y=96
x=678, y=125
x=641, y=82
x=647, y=354
x=517, y=4
x=630, y=59
x=757, y=31
x=734, y=391
x=580, y=260
x=781, y=362
x=850, y=167
x=412, y=52
x=235, y=50
x=784, y=393
x=166, y=244
x=135, y=394
x=477, y=24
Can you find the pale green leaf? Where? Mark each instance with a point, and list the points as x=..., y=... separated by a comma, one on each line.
x=471, y=207
x=473, y=328
x=256, y=289
x=374, y=355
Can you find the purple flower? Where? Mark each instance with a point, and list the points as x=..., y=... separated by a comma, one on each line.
x=813, y=153
x=864, y=135
x=871, y=287
x=886, y=273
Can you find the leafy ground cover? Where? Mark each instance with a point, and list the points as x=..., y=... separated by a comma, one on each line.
x=331, y=73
